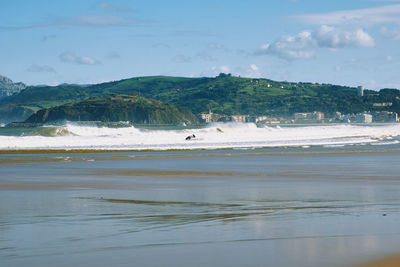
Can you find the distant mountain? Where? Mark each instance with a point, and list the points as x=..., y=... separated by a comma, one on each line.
x=8, y=87
x=116, y=108
x=224, y=94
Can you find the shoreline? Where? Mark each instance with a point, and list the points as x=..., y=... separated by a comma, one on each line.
x=291, y=150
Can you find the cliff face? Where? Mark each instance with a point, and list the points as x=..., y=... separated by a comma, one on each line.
x=8, y=87
x=135, y=109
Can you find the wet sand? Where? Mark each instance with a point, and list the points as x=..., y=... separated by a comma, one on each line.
x=293, y=207
x=393, y=261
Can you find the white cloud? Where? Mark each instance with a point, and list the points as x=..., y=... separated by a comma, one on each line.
x=225, y=69
x=365, y=17
x=70, y=57
x=253, y=71
x=40, y=68
x=291, y=47
x=392, y=34
x=254, y=67
x=304, y=44
x=327, y=36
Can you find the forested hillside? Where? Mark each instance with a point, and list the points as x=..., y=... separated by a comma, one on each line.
x=223, y=94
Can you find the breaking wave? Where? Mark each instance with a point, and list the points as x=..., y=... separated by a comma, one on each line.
x=213, y=136
x=53, y=131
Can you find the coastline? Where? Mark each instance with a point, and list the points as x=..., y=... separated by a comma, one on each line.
x=311, y=206
x=318, y=149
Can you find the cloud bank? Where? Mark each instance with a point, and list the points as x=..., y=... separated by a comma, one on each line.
x=364, y=17
x=304, y=44
x=69, y=57
x=327, y=36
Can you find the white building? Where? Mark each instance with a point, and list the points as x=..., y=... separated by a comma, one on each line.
x=363, y=118
x=211, y=117
x=315, y=116
x=207, y=117
x=239, y=118
x=360, y=91
x=384, y=104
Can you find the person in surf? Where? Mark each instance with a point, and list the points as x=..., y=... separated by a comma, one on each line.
x=190, y=137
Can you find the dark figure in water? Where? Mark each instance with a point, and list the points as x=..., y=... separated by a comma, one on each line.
x=190, y=137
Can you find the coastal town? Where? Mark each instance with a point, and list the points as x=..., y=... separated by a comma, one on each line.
x=311, y=117
x=305, y=118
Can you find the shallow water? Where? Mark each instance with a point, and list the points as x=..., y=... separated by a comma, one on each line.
x=265, y=207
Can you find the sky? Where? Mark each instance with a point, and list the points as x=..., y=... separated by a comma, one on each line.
x=88, y=41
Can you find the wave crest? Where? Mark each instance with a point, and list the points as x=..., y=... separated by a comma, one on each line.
x=213, y=136
x=54, y=131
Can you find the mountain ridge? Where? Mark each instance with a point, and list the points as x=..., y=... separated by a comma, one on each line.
x=223, y=94
x=8, y=87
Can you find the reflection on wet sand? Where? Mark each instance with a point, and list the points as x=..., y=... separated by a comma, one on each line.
x=322, y=207
x=164, y=203
x=169, y=213
x=143, y=172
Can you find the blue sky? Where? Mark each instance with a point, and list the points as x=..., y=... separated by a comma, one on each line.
x=341, y=42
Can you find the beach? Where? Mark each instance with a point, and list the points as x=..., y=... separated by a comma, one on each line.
x=300, y=206
x=200, y=133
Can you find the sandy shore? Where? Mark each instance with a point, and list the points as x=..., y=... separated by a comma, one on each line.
x=273, y=207
x=393, y=261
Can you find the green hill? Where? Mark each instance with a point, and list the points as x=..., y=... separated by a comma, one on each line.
x=223, y=94
x=116, y=108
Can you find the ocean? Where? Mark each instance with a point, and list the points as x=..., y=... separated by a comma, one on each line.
x=234, y=195
x=213, y=136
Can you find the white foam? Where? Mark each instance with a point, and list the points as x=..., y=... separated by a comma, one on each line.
x=228, y=135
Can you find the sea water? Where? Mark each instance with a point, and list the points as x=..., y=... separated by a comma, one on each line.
x=213, y=136
x=304, y=196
